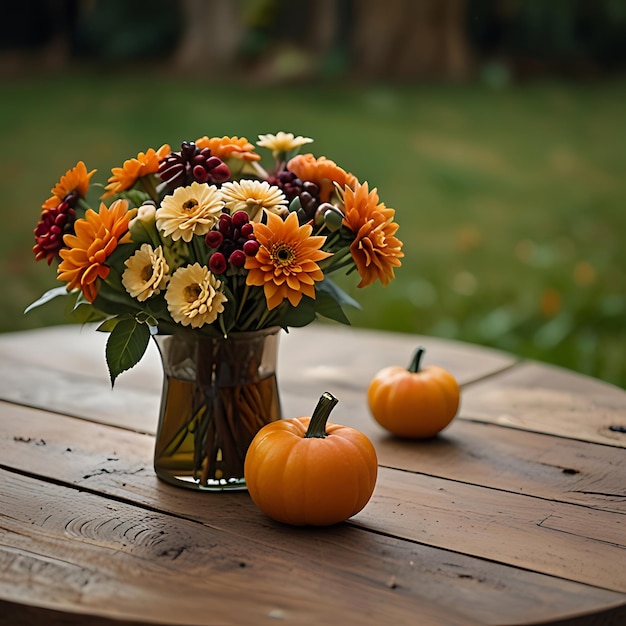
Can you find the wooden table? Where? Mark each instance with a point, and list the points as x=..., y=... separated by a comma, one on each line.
x=515, y=514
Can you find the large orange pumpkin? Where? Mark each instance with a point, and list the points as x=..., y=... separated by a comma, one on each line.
x=415, y=403
x=304, y=471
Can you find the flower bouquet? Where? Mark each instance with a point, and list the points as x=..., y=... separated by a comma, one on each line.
x=210, y=242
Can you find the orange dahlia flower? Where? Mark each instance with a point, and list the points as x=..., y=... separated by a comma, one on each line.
x=97, y=235
x=76, y=179
x=286, y=262
x=126, y=176
x=226, y=147
x=375, y=249
x=322, y=171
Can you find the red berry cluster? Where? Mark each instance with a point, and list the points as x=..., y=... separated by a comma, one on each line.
x=233, y=240
x=53, y=224
x=306, y=191
x=192, y=164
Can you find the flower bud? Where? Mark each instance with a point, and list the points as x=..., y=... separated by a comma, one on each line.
x=142, y=226
x=295, y=205
x=333, y=218
x=145, y=213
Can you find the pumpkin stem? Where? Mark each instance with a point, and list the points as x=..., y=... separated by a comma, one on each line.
x=414, y=367
x=317, y=425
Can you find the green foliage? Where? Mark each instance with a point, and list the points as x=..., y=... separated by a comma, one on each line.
x=126, y=344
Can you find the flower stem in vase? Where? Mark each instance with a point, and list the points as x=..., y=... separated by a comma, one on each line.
x=218, y=392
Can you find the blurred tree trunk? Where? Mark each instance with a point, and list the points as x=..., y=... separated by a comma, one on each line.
x=409, y=39
x=323, y=26
x=210, y=38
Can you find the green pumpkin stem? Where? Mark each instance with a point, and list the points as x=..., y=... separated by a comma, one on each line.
x=317, y=425
x=415, y=362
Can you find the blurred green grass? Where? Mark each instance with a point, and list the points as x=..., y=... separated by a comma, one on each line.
x=510, y=202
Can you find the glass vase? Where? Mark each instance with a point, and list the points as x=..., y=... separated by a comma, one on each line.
x=217, y=394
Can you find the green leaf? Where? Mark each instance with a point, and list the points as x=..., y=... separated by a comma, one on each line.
x=114, y=301
x=126, y=345
x=51, y=294
x=109, y=324
x=136, y=197
x=327, y=306
x=329, y=287
x=298, y=316
x=82, y=311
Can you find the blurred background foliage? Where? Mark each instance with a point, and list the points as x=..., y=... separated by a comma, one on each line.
x=496, y=129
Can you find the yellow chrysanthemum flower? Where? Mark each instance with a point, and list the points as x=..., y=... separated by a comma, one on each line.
x=193, y=296
x=282, y=142
x=252, y=196
x=146, y=272
x=97, y=235
x=190, y=211
x=76, y=179
x=322, y=171
x=375, y=249
x=229, y=147
x=286, y=262
x=126, y=176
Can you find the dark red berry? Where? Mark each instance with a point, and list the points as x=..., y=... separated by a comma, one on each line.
x=200, y=174
x=214, y=239
x=225, y=225
x=237, y=258
x=192, y=164
x=247, y=230
x=212, y=162
x=240, y=218
x=217, y=263
x=251, y=247
x=219, y=174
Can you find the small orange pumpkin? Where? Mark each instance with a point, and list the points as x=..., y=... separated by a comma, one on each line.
x=414, y=403
x=304, y=471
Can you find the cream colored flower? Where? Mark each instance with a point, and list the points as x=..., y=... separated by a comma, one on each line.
x=146, y=273
x=190, y=211
x=282, y=142
x=252, y=196
x=193, y=296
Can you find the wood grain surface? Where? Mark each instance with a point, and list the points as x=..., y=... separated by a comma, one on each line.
x=513, y=515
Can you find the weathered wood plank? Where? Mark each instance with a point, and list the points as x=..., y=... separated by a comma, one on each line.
x=63, y=549
x=442, y=513
x=117, y=462
x=547, y=399
x=522, y=462
x=527, y=463
x=559, y=539
x=482, y=591
x=82, y=396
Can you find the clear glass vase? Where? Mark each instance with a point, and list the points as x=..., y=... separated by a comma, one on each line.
x=217, y=394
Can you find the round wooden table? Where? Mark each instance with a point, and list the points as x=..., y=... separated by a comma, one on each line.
x=515, y=514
